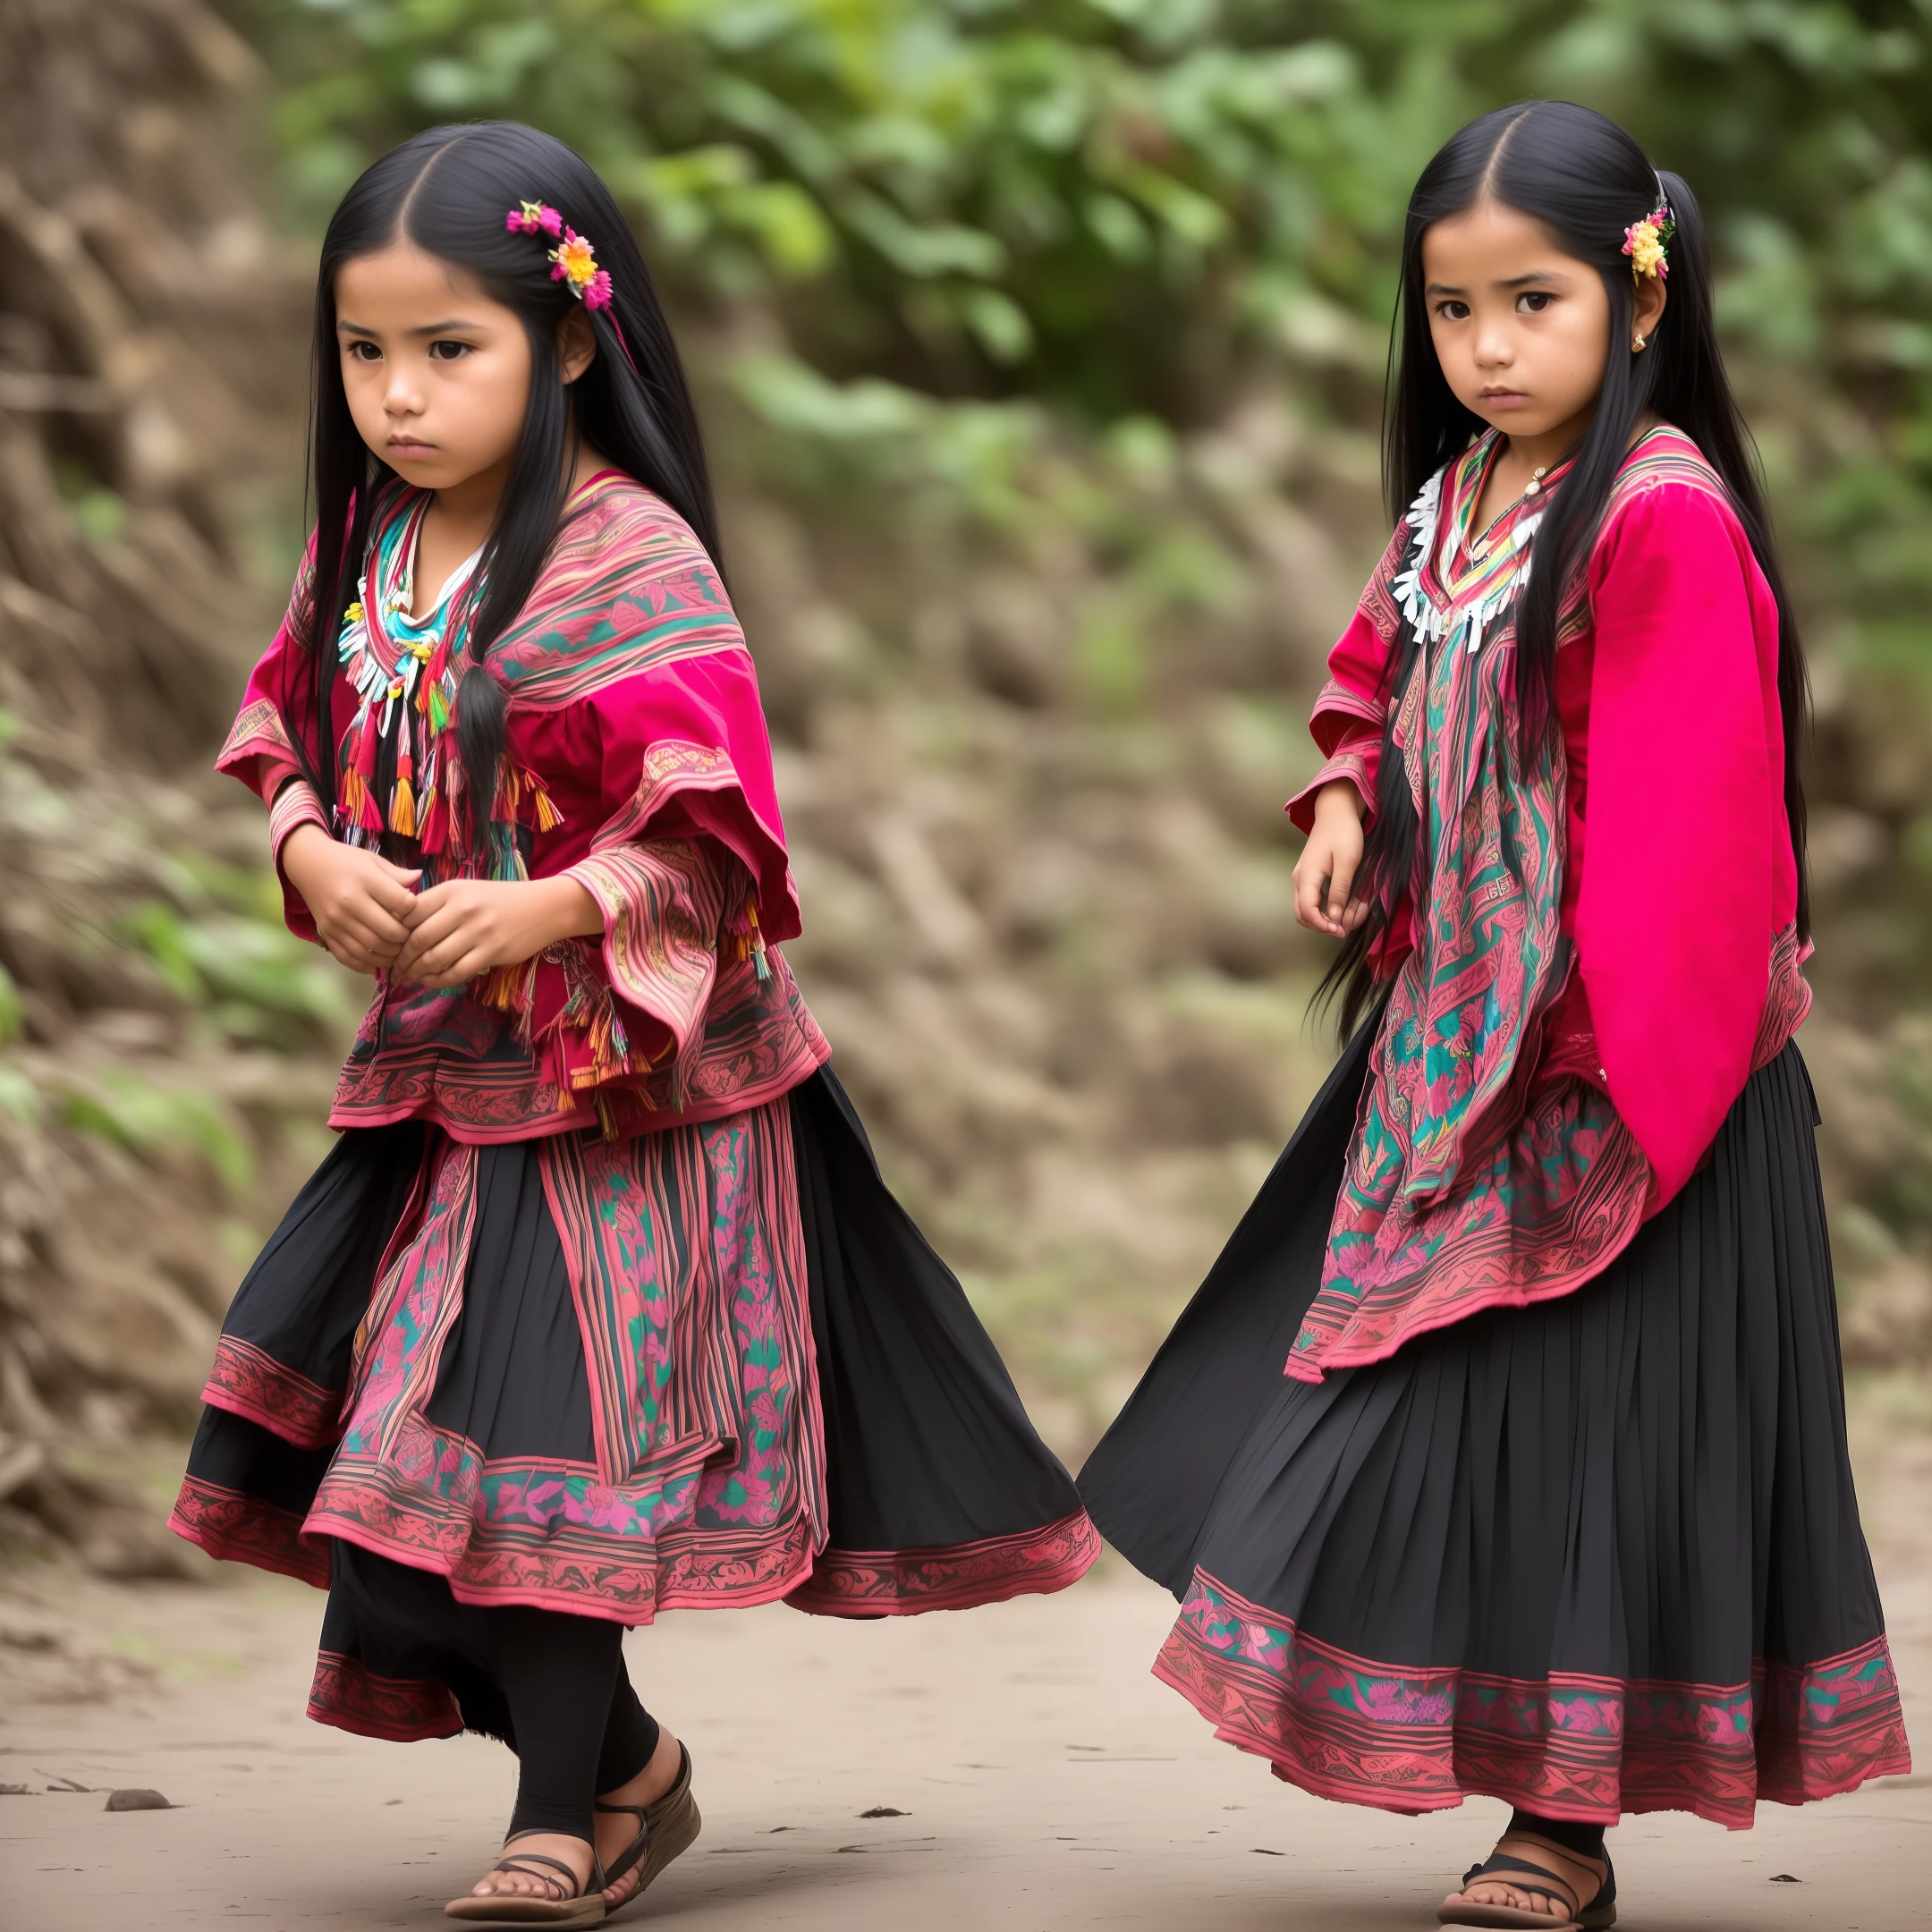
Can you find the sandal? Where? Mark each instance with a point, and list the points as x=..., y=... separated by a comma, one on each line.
x=665, y=1828
x=576, y=1906
x=1577, y=1917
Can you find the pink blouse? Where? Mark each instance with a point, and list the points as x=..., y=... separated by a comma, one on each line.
x=1678, y=875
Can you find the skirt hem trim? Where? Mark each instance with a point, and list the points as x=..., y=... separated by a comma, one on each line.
x=232, y=1527
x=960, y=1576
x=533, y=1578
x=1412, y=1738
x=349, y=1696
x=250, y=1383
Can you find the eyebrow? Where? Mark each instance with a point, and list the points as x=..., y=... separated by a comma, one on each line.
x=1514, y=282
x=429, y=328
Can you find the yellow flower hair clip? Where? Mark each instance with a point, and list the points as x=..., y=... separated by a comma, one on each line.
x=1646, y=241
x=572, y=261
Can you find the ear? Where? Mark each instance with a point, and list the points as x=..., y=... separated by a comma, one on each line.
x=576, y=344
x=1648, y=305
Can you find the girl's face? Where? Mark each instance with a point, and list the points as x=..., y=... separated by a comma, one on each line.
x=1522, y=330
x=438, y=374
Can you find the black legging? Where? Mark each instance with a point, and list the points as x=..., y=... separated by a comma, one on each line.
x=557, y=1693
x=1581, y=1841
x=552, y=1686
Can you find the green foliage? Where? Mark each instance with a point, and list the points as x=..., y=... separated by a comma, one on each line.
x=996, y=266
x=10, y=1008
x=255, y=978
x=162, y=1123
x=1116, y=207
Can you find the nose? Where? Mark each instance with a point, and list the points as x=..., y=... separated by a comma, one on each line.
x=402, y=395
x=1495, y=348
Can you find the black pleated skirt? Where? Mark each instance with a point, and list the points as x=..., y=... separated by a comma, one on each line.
x=937, y=1493
x=1596, y=1555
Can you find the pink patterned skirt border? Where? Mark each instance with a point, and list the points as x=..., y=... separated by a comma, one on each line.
x=873, y=1583
x=1571, y=1745
x=348, y=1695
x=234, y=1527
x=248, y=1382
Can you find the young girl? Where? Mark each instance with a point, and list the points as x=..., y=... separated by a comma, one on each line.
x=1553, y=1501
x=598, y=1307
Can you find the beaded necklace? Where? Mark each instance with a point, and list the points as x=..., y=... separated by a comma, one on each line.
x=400, y=667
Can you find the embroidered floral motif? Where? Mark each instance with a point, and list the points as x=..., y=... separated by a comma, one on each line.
x=687, y=1269
x=1419, y=1739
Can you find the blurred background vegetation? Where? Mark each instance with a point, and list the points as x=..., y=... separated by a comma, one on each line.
x=1041, y=344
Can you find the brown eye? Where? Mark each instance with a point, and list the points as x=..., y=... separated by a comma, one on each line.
x=364, y=351
x=1453, y=311
x=448, y=351
x=1535, y=300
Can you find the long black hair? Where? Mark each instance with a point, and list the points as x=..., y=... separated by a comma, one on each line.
x=1586, y=181
x=448, y=192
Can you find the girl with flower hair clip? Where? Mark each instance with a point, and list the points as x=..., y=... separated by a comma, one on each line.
x=1504, y=1449
x=598, y=1307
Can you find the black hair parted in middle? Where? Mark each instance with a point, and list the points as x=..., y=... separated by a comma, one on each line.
x=1586, y=181
x=448, y=192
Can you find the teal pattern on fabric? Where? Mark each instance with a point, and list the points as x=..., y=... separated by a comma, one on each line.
x=1414, y=1738
x=1470, y=1182
x=688, y=1274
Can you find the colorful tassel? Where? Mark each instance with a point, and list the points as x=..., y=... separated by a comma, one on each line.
x=751, y=941
x=510, y=989
x=403, y=802
x=548, y=818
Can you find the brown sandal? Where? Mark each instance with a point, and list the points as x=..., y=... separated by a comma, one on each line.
x=1571, y=1913
x=665, y=1828
x=572, y=1907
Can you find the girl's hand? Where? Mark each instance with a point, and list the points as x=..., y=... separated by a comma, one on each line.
x=465, y=927
x=1324, y=874
x=360, y=903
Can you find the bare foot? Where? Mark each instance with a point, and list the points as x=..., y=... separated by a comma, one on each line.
x=616, y=1830
x=1584, y=1876
x=540, y=1881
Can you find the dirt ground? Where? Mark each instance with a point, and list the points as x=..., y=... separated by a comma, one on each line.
x=1036, y=1776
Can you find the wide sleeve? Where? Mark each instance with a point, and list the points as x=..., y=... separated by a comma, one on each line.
x=1676, y=911
x=1352, y=708
x=681, y=846
x=278, y=715
x=665, y=916
x=685, y=755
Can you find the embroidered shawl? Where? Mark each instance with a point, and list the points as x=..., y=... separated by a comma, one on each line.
x=639, y=763
x=1492, y=1162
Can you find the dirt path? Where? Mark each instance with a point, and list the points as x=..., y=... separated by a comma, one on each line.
x=1040, y=1777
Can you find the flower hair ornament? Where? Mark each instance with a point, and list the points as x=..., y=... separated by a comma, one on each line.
x=1646, y=242
x=571, y=260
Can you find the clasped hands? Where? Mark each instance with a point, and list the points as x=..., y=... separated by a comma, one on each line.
x=370, y=915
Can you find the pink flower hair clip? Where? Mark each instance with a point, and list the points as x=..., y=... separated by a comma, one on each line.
x=571, y=260
x=532, y=218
